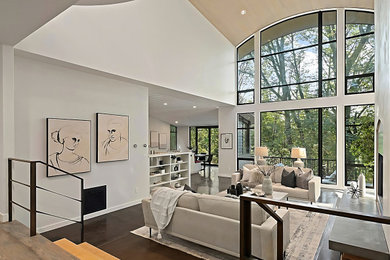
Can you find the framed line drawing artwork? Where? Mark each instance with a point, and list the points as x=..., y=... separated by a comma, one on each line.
x=163, y=141
x=112, y=137
x=153, y=139
x=68, y=145
x=226, y=141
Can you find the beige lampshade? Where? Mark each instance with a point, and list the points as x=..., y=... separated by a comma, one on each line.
x=261, y=151
x=297, y=152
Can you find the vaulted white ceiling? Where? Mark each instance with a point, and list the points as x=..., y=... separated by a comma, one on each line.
x=226, y=16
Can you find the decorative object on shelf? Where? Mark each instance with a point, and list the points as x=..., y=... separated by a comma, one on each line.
x=179, y=175
x=226, y=141
x=162, y=141
x=178, y=159
x=153, y=139
x=260, y=152
x=162, y=170
x=161, y=162
x=112, y=137
x=68, y=145
x=239, y=189
x=354, y=190
x=177, y=185
x=298, y=153
x=362, y=184
x=175, y=168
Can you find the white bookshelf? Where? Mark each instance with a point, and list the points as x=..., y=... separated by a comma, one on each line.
x=166, y=170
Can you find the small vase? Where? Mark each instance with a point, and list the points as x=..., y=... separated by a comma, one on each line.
x=267, y=185
x=362, y=184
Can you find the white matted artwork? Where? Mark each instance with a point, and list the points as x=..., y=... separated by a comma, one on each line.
x=112, y=134
x=68, y=145
x=226, y=141
x=163, y=141
x=153, y=139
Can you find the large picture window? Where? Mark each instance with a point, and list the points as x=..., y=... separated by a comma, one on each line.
x=313, y=129
x=246, y=72
x=298, y=58
x=359, y=52
x=245, y=139
x=359, y=143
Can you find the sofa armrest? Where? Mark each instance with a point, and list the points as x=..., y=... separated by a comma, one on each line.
x=314, y=188
x=148, y=215
x=269, y=230
x=236, y=177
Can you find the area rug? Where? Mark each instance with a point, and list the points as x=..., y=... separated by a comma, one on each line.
x=306, y=230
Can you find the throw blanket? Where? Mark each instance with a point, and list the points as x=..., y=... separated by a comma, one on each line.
x=163, y=205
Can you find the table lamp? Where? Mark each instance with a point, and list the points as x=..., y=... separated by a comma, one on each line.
x=260, y=152
x=298, y=153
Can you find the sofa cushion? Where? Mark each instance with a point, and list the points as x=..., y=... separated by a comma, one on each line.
x=256, y=176
x=292, y=192
x=189, y=200
x=303, y=178
x=288, y=178
x=250, y=166
x=246, y=173
x=229, y=208
x=277, y=174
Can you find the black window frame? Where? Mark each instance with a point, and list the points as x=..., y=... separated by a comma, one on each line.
x=244, y=128
x=319, y=137
x=319, y=45
x=365, y=75
x=345, y=145
x=254, y=85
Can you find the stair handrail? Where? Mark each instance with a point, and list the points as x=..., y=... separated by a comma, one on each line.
x=33, y=194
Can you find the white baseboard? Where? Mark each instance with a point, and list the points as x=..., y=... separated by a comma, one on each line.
x=3, y=217
x=89, y=216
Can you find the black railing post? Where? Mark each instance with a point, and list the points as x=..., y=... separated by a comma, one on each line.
x=82, y=210
x=245, y=229
x=33, y=198
x=9, y=190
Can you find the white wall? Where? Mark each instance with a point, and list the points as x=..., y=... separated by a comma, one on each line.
x=44, y=90
x=162, y=42
x=7, y=135
x=162, y=128
x=182, y=138
x=382, y=93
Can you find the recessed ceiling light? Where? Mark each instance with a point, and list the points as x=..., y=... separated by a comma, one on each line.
x=165, y=104
x=217, y=107
x=243, y=12
x=176, y=122
x=193, y=106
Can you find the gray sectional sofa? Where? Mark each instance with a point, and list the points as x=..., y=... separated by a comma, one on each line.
x=213, y=222
x=311, y=194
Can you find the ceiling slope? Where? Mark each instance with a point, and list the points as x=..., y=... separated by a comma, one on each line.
x=20, y=18
x=226, y=16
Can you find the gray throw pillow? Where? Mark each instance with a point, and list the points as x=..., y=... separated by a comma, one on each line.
x=288, y=178
x=303, y=178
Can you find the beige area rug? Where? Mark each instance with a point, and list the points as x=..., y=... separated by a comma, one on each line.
x=306, y=230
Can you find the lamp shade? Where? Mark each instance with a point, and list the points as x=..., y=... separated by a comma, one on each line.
x=261, y=151
x=298, y=152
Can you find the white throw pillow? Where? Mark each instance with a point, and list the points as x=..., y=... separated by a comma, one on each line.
x=246, y=174
x=256, y=176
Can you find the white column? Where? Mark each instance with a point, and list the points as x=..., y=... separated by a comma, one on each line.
x=7, y=126
x=340, y=93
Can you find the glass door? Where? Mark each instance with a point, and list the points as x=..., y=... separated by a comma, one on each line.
x=207, y=142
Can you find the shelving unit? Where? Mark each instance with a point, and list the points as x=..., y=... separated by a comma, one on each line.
x=165, y=170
